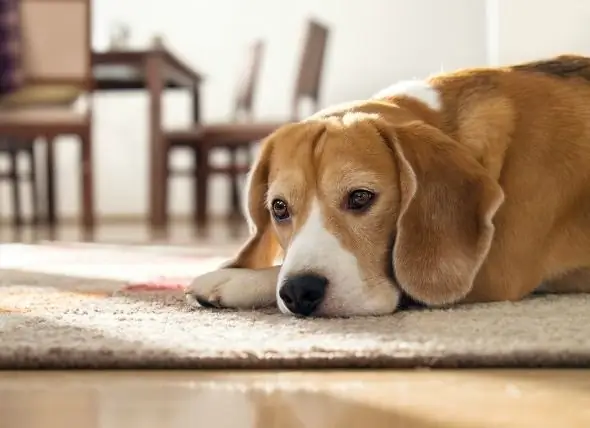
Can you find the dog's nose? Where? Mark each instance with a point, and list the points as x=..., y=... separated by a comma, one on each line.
x=303, y=293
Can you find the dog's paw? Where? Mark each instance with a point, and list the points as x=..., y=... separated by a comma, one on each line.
x=234, y=288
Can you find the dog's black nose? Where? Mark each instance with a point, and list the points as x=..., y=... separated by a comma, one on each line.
x=303, y=293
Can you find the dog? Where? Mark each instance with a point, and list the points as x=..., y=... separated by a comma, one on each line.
x=469, y=186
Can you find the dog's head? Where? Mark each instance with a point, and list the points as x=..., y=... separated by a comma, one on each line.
x=362, y=209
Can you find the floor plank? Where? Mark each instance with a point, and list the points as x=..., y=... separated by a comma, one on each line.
x=424, y=399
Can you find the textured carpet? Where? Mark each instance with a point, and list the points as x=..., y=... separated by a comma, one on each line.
x=97, y=307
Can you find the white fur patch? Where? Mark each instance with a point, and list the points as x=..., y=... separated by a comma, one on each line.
x=234, y=288
x=418, y=89
x=315, y=250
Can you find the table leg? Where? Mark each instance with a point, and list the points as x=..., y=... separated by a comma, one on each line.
x=201, y=176
x=158, y=155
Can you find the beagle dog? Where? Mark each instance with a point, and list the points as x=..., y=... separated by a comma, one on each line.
x=471, y=186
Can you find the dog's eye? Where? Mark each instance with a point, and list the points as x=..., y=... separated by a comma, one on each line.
x=359, y=200
x=280, y=210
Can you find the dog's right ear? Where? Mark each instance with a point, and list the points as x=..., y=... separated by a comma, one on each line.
x=445, y=225
x=262, y=248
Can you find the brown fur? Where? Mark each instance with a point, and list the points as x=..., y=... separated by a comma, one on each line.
x=567, y=66
x=486, y=198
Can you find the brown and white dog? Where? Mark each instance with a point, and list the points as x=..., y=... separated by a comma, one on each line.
x=472, y=186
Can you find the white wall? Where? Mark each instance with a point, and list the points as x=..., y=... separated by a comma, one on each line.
x=522, y=30
x=373, y=43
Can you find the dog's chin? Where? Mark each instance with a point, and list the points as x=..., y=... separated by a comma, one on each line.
x=361, y=308
x=329, y=311
x=400, y=301
x=352, y=314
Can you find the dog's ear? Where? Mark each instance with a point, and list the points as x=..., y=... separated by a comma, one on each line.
x=444, y=226
x=262, y=248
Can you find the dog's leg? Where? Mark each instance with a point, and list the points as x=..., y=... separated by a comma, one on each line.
x=236, y=288
x=577, y=281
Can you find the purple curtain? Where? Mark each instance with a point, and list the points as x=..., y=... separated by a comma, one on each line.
x=11, y=73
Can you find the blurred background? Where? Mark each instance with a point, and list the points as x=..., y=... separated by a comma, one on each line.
x=148, y=113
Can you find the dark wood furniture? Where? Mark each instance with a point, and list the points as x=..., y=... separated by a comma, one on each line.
x=243, y=131
x=12, y=149
x=56, y=58
x=311, y=68
x=226, y=136
x=154, y=70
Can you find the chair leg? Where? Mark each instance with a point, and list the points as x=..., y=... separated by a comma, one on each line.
x=202, y=174
x=87, y=182
x=50, y=194
x=33, y=180
x=234, y=202
x=166, y=158
x=195, y=199
x=14, y=179
x=248, y=153
x=249, y=160
x=158, y=195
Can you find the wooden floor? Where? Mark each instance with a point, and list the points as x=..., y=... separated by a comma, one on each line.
x=486, y=399
x=368, y=399
x=181, y=233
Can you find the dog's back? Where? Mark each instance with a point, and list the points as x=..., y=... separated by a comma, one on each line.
x=564, y=66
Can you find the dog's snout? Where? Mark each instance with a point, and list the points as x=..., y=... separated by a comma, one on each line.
x=302, y=294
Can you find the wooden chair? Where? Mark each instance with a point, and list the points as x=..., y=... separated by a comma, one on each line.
x=12, y=149
x=56, y=60
x=243, y=130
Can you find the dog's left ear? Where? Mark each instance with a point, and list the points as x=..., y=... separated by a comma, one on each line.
x=444, y=227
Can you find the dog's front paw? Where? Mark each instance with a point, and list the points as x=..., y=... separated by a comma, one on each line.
x=234, y=288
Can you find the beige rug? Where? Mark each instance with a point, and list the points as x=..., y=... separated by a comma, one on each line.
x=73, y=307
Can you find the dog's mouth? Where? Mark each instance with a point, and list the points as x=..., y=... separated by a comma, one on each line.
x=405, y=301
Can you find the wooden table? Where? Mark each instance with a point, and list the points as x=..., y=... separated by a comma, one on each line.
x=153, y=70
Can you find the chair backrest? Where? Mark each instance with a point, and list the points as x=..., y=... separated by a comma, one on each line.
x=311, y=65
x=56, y=42
x=248, y=81
x=11, y=73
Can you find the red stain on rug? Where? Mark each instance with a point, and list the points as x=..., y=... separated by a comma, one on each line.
x=159, y=284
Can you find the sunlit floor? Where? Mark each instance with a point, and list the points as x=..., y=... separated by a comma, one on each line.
x=370, y=399
x=432, y=399
x=180, y=233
